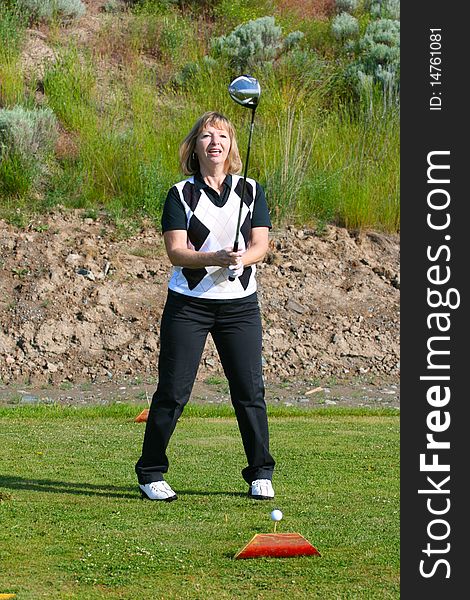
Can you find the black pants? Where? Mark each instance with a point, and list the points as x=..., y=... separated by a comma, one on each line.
x=236, y=330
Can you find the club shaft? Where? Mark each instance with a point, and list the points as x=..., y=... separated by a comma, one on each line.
x=237, y=232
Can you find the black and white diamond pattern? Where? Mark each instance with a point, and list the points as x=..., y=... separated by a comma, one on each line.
x=211, y=228
x=190, y=194
x=193, y=276
x=245, y=277
x=248, y=196
x=245, y=228
x=220, y=221
x=197, y=232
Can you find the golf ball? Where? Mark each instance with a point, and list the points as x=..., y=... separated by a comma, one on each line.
x=276, y=515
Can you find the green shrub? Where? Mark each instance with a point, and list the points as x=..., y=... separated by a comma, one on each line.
x=46, y=10
x=253, y=43
x=27, y=132
x=360, y=151
x=379, y=55
x=373, y=59
x=188, y=73
x=113, y=6
x=27, y=138
x=292, y=40
x=344, y=26
x=348, y=6
x=384, y=9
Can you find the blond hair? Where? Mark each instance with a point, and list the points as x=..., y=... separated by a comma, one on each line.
x=188, y=159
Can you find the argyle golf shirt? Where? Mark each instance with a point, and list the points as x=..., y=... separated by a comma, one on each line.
x=210, y=221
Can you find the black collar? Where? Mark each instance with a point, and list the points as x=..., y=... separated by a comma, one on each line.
x=200, y=184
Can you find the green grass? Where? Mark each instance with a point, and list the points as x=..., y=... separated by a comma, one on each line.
x=74, y=527
x=12, y=27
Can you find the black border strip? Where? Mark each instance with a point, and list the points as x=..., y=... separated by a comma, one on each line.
x=434, y=131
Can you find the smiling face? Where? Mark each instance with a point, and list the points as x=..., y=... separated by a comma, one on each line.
x=212, y=148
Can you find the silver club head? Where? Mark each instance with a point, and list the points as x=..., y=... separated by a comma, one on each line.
x=245, y=90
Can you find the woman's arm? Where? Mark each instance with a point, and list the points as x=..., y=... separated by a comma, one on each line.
x=182, y=256
x=258, y=246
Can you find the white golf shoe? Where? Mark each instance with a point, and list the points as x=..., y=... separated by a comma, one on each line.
x=157, y=490
x=261, y=489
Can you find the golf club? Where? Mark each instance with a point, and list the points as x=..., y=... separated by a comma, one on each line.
x=244, y=90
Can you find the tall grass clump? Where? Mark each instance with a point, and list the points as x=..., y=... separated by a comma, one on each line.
x=126, y=151
x=162, y=37
x=308, y=10
x=123, y=171
x=69, y=87
x=286, y=168
x=231, y=13
x=27, y=139
x=12, y=31
x=202, y=86
x=134, y=164
x=353, y=177
x=47, y=10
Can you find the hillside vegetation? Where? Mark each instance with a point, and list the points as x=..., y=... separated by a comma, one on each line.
x=95, y=97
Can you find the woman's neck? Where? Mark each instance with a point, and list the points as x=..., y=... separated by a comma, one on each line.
x=214, y=179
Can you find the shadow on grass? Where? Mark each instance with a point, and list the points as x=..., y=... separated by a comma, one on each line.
x=90, y=489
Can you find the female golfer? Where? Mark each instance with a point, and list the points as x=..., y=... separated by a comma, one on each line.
x=211, y=290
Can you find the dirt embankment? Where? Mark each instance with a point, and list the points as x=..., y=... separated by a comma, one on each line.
x=79, y=303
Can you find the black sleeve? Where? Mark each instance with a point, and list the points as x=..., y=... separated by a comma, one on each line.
x=173, y=215
x=260, y=216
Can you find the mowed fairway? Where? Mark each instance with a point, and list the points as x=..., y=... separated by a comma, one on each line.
x=72, y=524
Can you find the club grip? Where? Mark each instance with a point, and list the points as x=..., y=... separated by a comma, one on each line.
x=235, y=249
